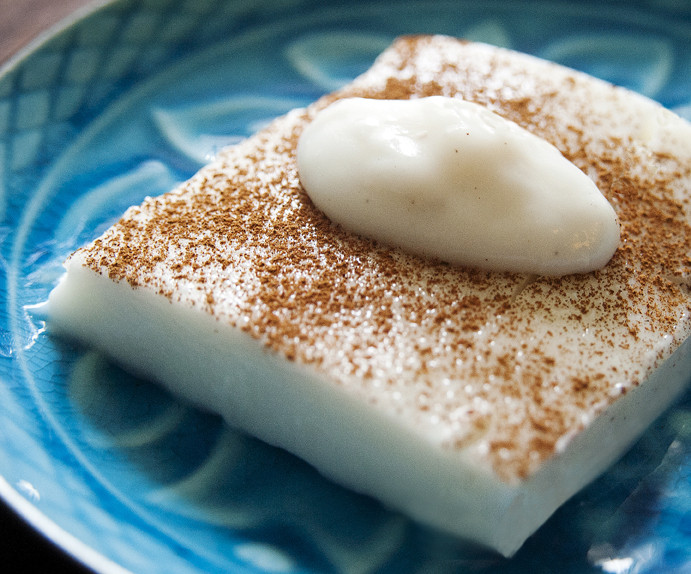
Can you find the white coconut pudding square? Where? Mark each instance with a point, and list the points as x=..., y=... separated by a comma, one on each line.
x=475, y=400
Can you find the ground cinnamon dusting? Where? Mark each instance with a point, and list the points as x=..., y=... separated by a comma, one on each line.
x=488, y=361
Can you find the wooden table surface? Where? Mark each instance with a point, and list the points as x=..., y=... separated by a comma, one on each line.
x=21, y=21
x=22, y=549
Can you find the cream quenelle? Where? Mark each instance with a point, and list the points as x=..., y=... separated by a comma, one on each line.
x=448, y=178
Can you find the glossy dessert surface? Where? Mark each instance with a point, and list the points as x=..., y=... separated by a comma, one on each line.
x=445, y=178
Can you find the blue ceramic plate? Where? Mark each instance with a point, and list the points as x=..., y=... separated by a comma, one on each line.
x=134, y=97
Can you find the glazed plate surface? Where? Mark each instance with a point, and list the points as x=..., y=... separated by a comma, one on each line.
x=134, y=97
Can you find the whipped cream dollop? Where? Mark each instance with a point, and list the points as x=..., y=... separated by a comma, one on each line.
x=450, y=179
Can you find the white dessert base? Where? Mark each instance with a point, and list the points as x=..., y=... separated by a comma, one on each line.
x=224, y=370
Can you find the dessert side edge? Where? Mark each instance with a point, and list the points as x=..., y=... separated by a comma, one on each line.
x=499, y=369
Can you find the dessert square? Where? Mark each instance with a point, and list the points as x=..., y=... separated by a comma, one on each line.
x=474, y=401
